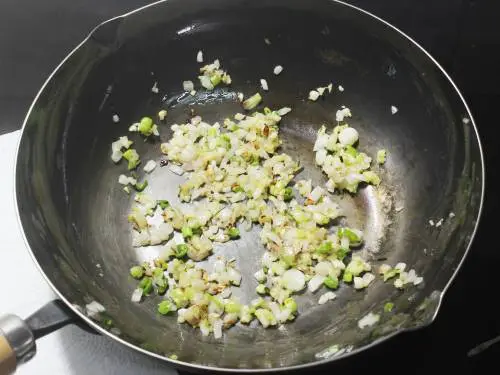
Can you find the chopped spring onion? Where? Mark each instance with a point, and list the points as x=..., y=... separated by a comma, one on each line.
x=163, y=203
x=381, y=156
x=252, y=102
x=233, y=233
x=388, y=307
x=146, y=126
x=181, y=250
x=141, y=186
x=137, y=272
x=165, y=307
x=132, y=157
x=331, y=282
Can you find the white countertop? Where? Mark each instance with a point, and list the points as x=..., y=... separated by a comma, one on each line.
x=23, y=290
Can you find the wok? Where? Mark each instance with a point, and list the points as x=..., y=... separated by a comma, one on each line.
x=73, y=212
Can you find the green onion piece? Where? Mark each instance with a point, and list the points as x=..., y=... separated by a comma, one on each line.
x=351, y=151
x=132, y=157
x=146, y=126
x=163, y=203
x=267, y=111
x=290, y=304
x=137, y=272
x=262, y=289
x=331, y=282
x=179, y=297
x=108, y=323
x=388, y=307
x=288, y=194
x=164, y=307
x=187, y=232
x=232, y=307
x=174, y=357
x=233, y=233
x=341, y=253
x=391, y=273
x=381, y=156
x=146, y=285
x=161, y=289
x=289, y=260
x=350, y=234
x=140, y=187
x=181, y=250
x=252, y=102
x=347, y=277
x=237, y=189
x=215, y=79
x=325, y=248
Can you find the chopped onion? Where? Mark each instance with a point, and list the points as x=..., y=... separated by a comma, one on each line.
x=176, y=169
x=188, y=86
x=93, y=309
x=283, y=111
x=199, y=57
x=277, y=69
x=217, y=327
x=294, y=280
x=313, y=95
x=116, y=118
x=137, y=295
x=328, y=296
x=394, y=109
x=263, y=84
x=342, y=114
x=150, y=166
x=368, y=320
x=155, y=89
x=341, y=89
x=315, y=283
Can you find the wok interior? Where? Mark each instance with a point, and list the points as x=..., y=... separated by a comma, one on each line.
x=74, y=212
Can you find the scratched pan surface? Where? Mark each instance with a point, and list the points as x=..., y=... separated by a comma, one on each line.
x=73, y=212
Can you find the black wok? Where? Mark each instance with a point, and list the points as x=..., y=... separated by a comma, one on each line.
x=73, y=213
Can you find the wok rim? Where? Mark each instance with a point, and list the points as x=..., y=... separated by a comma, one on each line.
x=188, y=365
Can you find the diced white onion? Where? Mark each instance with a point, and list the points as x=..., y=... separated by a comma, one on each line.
x=263, y=84
x=150, y=166
x=137, y=295
x=188, y=85
x=176, y=169
x=328, y=296
x=277, y=69
x=315, y=283
x=294, y=280
x=313, y=95
x=199, y=57
x=368, y=320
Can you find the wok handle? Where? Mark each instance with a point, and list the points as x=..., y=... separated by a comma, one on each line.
x=18, y=337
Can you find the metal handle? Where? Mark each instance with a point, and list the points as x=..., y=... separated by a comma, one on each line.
x=18, y=337
x=17, y=343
